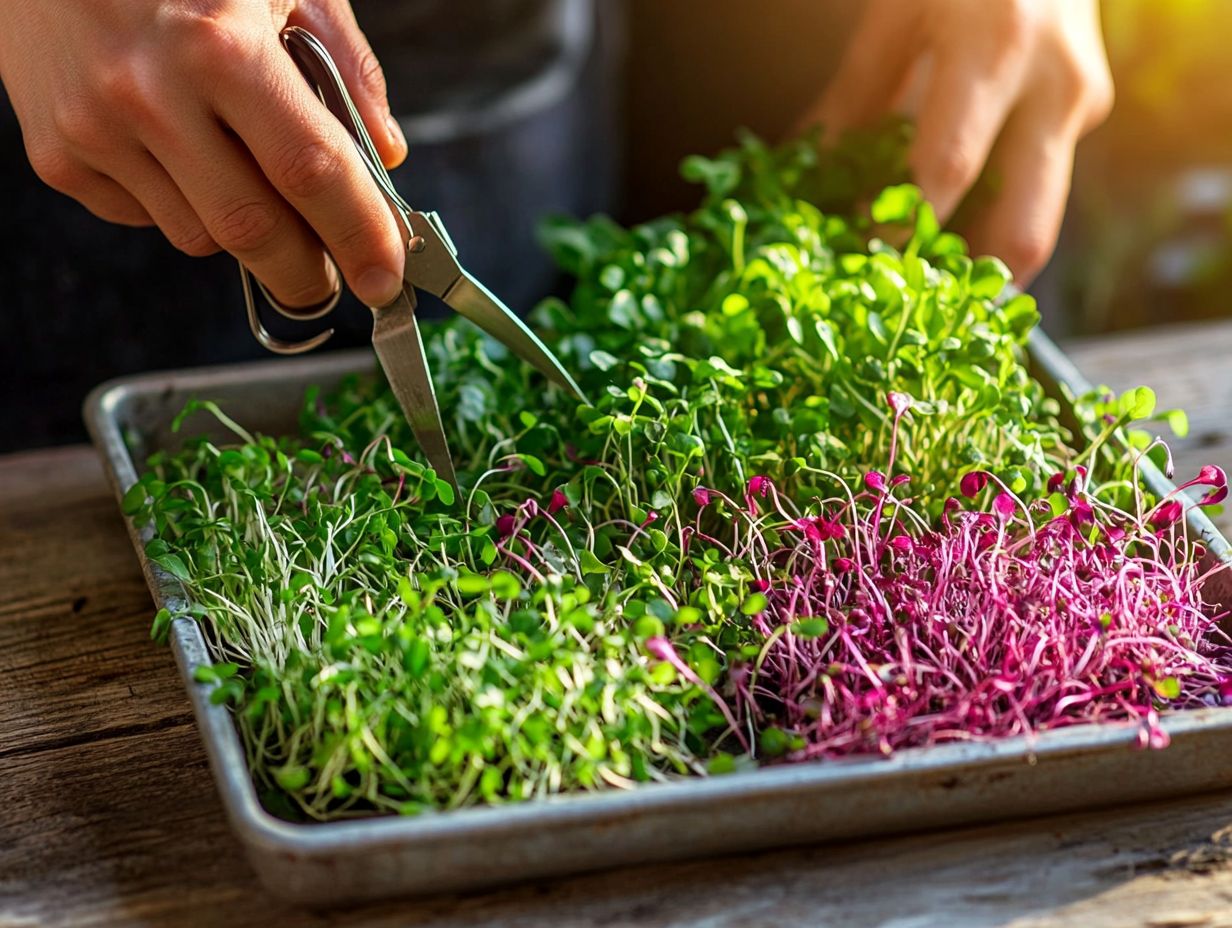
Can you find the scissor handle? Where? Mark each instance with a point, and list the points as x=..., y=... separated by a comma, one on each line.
x=319, y=70
x=315, y=63
x=299, y=314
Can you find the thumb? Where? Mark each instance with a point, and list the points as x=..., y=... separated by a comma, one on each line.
x=333, y=22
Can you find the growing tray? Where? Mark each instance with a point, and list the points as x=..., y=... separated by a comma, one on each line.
x=1073, y=768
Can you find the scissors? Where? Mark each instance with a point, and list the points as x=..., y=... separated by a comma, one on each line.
x=431, y=265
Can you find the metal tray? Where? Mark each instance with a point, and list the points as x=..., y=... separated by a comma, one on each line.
x=1068, y=769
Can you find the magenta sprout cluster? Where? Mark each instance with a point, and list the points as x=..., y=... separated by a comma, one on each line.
x=881, y=632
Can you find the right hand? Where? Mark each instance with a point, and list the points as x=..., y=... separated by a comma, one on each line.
x=190, y=115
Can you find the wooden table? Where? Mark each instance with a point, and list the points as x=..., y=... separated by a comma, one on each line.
x=108, y=814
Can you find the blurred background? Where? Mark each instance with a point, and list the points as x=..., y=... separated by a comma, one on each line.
x=1148, y=238
x=517, y=108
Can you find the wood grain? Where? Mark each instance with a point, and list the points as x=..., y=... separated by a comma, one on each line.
x=72, y=608
x=108, y=815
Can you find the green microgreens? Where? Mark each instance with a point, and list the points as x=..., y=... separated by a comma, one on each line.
x=567, y=621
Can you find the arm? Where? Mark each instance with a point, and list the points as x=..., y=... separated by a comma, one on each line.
x=1011, y=84
x=189, y=115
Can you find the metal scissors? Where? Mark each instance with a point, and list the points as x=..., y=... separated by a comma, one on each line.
x=431, y=265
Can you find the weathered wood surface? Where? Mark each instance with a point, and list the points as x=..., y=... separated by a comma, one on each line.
x=108, y=815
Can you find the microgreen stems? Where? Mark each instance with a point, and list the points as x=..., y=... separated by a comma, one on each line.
x=991, y=625
x=700, y=561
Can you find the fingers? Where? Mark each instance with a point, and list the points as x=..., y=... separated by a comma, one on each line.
x=1034, y=160
x=147, y=181
x=108, y=200
x=311, y=161
x=198, y=120
x=964, y=106
x=334, y=24
x=124, y=185
x=241, y=211
x=873, y=69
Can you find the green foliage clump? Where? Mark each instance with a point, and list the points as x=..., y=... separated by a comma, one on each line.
x=388, y=646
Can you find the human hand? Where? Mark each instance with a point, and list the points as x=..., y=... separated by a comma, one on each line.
x=1011, y=84
x=190, y=115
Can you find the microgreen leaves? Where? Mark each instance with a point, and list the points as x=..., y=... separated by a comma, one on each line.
x=991, y=625
x=702, y=560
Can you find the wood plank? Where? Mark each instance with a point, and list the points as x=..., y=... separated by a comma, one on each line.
x=1124, y=868
x=75, y=658
x=32, y=479
x=126, y=829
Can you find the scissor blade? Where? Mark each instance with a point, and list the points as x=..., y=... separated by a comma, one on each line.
x=395, y=336
x=471, y=299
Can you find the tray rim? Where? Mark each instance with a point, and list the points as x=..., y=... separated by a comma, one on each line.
x=258, y=827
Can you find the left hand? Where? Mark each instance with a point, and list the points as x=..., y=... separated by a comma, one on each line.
x=1013, y=84
x=192, y=116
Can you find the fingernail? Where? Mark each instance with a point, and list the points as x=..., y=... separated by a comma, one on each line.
x=378, y=286
x=395, y=135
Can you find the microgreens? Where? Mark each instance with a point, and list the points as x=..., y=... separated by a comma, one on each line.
x=877, y=631
x=702, y=565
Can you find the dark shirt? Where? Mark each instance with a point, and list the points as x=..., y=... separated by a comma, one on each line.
x=450, y=56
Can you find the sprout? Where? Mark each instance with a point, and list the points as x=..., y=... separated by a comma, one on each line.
x=1004, y=505
x=972, y=483
x=899, y=403
x=505, y=525
x=1165, y=515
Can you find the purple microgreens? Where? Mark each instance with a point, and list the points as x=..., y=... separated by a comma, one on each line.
x=1165, y=514
x=757, y=487
x=972, y=484
x=558, y=502
x=992, y=624
x=899, y=403
x=505, y=525
x=1170, y=510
